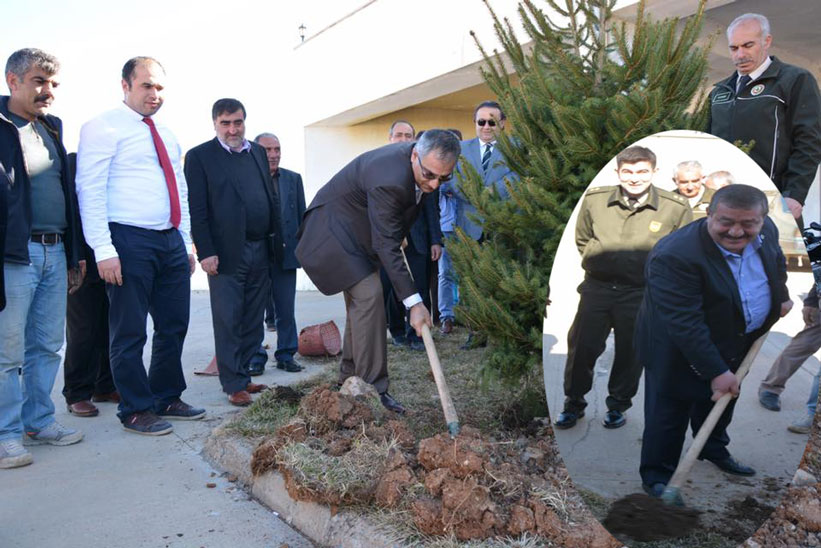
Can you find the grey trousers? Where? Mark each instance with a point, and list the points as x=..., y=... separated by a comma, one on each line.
x=237, y=306
x=801, y=347
x=364, y=346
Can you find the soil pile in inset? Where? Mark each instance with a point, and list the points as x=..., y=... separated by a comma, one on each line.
x=646, y=518
x=342, y=449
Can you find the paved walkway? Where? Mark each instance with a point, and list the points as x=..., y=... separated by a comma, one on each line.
x=115, y=489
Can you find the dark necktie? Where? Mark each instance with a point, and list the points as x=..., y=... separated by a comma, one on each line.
x=486, y=157
x=742, y=83
x=168, y=171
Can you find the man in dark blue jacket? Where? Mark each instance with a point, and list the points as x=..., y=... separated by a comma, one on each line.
x=712, y=288
x=288, y=185
x=42, y=244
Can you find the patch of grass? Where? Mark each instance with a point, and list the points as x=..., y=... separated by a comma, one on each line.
x=481, y=407
x=263, y=417
x=346, y=476
x=598, y=505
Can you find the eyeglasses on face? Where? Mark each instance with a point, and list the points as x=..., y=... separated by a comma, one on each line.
x=491, y=122
x=429, y=175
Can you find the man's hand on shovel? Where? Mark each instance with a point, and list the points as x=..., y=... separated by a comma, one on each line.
x=420, y=316
x=724, y=383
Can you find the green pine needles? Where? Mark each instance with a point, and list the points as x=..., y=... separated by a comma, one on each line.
x=585, y=87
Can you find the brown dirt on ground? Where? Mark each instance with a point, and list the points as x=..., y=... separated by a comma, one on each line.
x=470, y=487
x=286, y=394
x=645, y=518
x=796, y=521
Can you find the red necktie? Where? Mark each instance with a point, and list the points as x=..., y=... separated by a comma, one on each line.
x=168, y=171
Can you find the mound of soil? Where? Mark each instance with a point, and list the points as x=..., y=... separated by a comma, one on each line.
x=471, y=487
x=646, y=518
x=797, y=519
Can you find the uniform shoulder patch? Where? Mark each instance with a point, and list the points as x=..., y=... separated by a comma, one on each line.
x=678, y=198
x=600, y=190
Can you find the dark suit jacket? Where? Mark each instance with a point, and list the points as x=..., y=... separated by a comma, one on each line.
x=215, y=203
x=425, y=231
x=292, y=202
x=358, y=220
x=690, y=327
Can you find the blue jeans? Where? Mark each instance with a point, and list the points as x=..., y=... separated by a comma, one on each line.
x=813, y=400
x=448, y=290
x=31, y=334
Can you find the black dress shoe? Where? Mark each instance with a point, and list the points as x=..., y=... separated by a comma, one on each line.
x=614, y=419
x=391, y=404
x=399, y=340
x=418, y=346
x=291, y=366
x=567, y=419
x=732, y=466
x=769, y=400
x=256, y=369
x=654, y=490
x=475, y=340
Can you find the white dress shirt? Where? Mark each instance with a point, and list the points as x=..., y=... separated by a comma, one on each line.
x=120, y=180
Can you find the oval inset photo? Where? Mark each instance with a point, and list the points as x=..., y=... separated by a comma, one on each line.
x=659, y=306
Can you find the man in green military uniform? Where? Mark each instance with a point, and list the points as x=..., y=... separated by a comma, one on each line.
x=616, y=228
x=689, y=179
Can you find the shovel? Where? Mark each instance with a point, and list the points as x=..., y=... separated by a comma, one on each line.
x=672, y=492
x=444, y=394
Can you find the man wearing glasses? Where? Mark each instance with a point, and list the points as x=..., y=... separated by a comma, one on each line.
x=486, y=158
x=356, y=223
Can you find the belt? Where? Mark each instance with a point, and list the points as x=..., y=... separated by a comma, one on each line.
x=47, y=239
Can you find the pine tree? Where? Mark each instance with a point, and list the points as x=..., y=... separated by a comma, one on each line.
x=586, y=87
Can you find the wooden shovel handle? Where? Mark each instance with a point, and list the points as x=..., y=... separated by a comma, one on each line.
x=441, y=385
x=683, y=468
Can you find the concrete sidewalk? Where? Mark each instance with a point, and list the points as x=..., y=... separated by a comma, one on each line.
x=116, y=489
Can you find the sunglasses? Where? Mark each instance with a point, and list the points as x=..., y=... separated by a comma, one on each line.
x=491, y=122
x=429, y=175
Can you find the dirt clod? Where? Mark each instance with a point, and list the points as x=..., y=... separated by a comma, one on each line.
x=645, y=518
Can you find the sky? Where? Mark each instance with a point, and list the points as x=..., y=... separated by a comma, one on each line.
x=209, y=50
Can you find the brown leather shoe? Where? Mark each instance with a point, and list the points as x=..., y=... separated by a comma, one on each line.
x=240, y=399
x=83, y=409
x=255, y=388
x=447, y=326
x=113, y=397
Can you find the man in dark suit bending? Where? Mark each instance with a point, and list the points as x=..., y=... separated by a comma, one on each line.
x=356, y=223
x=713, y=287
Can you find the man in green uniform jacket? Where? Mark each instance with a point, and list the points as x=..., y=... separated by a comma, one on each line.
x=616, y=228
x=689, y=179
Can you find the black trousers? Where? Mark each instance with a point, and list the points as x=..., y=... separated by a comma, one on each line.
x=156, y=281
x=666, y=416
x=398, y=317
x=602, y=307
x=86, y=369
x=237, y=307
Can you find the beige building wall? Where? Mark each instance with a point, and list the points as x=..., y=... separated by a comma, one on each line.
x=394, y=59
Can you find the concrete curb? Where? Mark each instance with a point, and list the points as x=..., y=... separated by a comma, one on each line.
x=232, y=454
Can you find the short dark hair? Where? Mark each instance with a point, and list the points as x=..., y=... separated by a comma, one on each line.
x=456, y=132
x=739, y=196
x=131, y=65
x=441, y=141
x=226, y=106
x=635, y=154
x=23, y=60
x=396, y=123
x=489, y=104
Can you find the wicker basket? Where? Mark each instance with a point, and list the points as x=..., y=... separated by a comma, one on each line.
x=320, y=340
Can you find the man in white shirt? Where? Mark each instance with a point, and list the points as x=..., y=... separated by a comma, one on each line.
x=134, y=207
